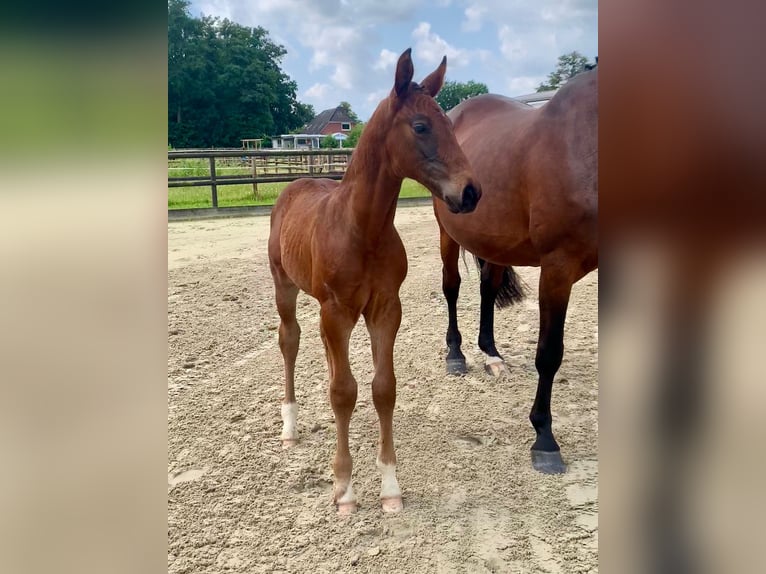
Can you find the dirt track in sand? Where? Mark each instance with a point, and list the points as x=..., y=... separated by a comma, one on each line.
x=237, y=502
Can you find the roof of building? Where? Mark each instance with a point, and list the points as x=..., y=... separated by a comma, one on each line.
x=316, y=125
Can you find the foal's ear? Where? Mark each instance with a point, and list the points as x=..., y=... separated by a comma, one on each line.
x=404, y=72
x=433, y=83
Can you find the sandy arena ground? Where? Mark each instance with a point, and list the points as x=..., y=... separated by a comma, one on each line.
x=238, y=502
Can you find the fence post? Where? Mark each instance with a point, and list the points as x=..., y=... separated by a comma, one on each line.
x=213, y=185
x=255, y=176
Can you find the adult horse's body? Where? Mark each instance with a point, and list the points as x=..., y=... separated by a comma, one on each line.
x=539, y=170
x=337, y=242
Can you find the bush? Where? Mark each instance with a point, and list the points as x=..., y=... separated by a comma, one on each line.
x=329, y=142
x=354, y=135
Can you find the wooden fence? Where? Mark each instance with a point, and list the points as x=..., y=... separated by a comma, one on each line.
x=266, y=166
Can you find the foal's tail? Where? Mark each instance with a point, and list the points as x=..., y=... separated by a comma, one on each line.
x=512, y=288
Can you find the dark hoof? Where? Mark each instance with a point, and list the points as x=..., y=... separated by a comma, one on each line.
x=548, y=462
x=456, y=367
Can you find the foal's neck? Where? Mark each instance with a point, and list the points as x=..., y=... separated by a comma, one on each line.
x=370, y=186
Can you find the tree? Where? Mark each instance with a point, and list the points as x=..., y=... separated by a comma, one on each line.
x=452, y=93
x=352, y=116
x=225, y=83
x=569, y=65
x=354, y=135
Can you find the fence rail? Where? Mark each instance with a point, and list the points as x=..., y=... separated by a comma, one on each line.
x=267, y=166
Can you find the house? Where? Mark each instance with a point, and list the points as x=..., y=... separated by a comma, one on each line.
x=297, y=141
x=330, y=122
x=537, y=99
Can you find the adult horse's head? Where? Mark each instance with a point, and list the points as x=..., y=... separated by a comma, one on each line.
x=420, y=143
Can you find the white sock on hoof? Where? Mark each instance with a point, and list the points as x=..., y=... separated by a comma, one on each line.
x=492, y=360
x=348, y=497
x=389, y=485
x=289, y=421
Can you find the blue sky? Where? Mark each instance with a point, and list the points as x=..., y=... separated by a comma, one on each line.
x=346, y=50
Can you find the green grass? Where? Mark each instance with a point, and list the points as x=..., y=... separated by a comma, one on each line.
x=236, y=195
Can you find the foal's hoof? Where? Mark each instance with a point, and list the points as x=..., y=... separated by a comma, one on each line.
x=495, y=366
x=391, y=503
x=456, y=367
x=346, y=508
x=548, y=462
x=289, y=442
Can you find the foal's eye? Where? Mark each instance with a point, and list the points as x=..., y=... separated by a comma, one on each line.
x=420, y=128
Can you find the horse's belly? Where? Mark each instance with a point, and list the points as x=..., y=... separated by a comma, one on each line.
x=497, y=240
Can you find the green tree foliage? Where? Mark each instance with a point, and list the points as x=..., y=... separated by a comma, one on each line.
x=569, y=65
x=225, y=83
x=452, y=93
x=329, y=142
x=352, y=116
x=354, y=135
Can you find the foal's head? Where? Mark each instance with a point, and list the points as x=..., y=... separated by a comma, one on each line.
x=420, y=143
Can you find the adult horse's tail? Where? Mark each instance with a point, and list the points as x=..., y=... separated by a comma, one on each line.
x=512, y=288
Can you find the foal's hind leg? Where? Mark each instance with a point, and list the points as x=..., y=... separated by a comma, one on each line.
x=336, y=323
x=450, y=252
x=491, y=280
x=555, y=288
x=289, y=340
x=383, y=317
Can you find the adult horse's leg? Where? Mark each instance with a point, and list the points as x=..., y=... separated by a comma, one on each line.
x=491, y=281
x=383, y=317
x=289, y=340
x=450, y=252
x=336, y=324
x=555, y=288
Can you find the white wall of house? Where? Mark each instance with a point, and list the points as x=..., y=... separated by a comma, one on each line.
x=297, y=141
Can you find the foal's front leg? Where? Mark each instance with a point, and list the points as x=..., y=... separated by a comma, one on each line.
x=383, y=317
x=336, y=324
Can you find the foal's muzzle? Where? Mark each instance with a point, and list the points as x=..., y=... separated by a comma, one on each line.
x=469, y=198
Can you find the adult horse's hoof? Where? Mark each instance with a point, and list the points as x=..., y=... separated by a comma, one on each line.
x=456, y=367
x=495, y=366
x=548, y=462
x=391, y=504
x=289, y=442
x=346, y=508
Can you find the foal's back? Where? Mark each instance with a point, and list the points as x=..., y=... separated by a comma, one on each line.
x=294, y=222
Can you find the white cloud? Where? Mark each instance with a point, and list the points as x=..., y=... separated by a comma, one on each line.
x=337, y=46
x=511, y=45
x=386, y=60
x=374, y=98
x=522, y=85
x=431, y=48
x=317, y=91
x=473, y=17
x=343, y=77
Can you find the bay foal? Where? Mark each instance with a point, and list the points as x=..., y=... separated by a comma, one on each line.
x=337, y=242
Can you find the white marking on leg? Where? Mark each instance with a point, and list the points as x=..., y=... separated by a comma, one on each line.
x=389, y=485
x=348, y=497
x=289, y=421
x=492, y=360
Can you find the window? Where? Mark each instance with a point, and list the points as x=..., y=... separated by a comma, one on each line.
x=345, y=127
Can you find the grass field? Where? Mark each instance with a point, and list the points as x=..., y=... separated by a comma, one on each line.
x=235, y=195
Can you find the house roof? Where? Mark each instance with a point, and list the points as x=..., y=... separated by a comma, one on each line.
x=316, y=125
